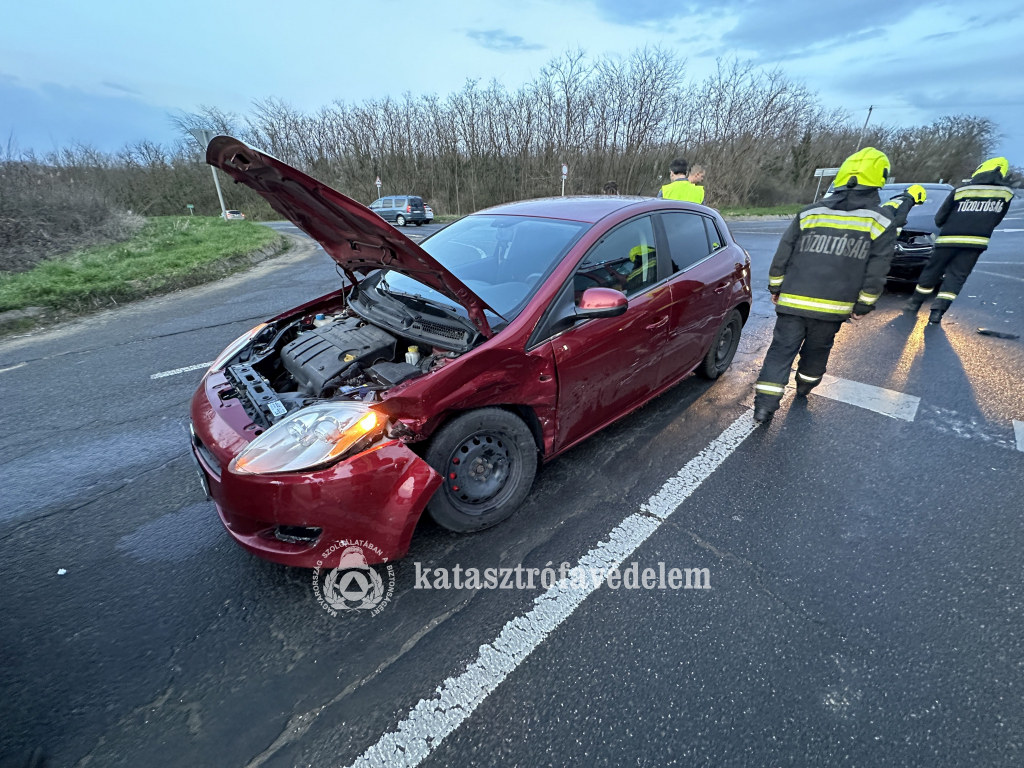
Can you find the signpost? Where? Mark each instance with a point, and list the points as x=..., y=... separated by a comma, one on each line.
x=190, y=211
x=822, y=173
x=377, y=182
x=204, y=137
x=565, y=175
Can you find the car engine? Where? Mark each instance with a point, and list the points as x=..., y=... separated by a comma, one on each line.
x=335, y=352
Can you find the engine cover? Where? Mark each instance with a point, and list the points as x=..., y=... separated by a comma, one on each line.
x=319, y=354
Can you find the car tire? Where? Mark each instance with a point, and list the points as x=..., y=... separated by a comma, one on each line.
x=723, y=348
x=419, y=223
x=487, y=459
x=400, y=221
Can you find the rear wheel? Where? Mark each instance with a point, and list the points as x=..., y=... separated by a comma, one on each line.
x=400, y=221
x=419, y=223
x=723, y=348
x=487, y=459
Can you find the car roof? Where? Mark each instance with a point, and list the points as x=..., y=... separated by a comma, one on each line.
x=587, y=208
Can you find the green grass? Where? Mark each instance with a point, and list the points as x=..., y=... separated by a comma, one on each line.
x=777, y=210
x=169, y=252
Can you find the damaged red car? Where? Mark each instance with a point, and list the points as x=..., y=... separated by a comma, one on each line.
x=438, y=375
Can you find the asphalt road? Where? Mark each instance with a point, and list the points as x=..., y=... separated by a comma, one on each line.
x=866, y=584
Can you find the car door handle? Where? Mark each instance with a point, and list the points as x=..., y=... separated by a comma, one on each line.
x=721, y=286
x=657, y=324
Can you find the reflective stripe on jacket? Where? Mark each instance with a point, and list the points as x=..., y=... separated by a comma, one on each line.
x=833, y=258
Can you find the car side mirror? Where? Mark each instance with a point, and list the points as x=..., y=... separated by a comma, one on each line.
x=601, y=302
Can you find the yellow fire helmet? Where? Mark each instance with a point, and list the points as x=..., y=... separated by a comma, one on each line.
x=919, y=193
x=1000, y=164
x=867, y=168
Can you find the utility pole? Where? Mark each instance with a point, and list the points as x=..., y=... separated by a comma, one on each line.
x=862, y=130
x=204, y=137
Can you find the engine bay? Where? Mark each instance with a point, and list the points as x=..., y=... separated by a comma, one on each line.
x=335, y=356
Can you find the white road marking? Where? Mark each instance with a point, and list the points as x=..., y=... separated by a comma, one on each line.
x=432, y=720
x=887, y=402
x=1014, y=263
x=186, y=369
x=1010, y=230
x=13, y=367
x=1018, y=431
x=996, y=274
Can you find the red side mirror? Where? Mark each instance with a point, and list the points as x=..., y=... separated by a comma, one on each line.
x=601, y=302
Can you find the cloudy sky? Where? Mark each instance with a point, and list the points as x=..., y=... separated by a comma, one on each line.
x=111, y=71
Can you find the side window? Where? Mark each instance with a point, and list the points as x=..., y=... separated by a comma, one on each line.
x=387, y=204
x=714, y=236
x=625, y=259
x=400, y=202
x=687, y=239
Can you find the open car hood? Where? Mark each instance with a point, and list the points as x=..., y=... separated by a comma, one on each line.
x=352, y=234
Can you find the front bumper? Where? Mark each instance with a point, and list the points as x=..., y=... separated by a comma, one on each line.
x=376, y=496
x=906, y=266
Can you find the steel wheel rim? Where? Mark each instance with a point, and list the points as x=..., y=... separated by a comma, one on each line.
x=482, y=471
x=724, y=344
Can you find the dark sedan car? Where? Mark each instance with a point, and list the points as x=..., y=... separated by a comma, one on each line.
x=446, y=371
x=916, y=241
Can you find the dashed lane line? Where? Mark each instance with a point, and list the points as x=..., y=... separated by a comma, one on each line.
x=1018, y=431
x=887, y=402
x=996, y=274
x=13, y=367
x=176, y=371
x=432, y=720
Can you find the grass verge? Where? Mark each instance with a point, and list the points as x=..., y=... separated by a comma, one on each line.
x=775, y=210
x=169, y=252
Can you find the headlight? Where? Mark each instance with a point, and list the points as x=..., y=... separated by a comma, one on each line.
x=311, y=437
x=235, y=347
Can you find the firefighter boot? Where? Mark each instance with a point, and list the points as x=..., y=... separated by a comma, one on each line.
x=762, y=414
x=915, y=301
x=936, y=315
x=803, y=388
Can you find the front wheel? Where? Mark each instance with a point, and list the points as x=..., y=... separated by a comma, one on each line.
x=723, y=348
x=487, y=459
x=400, y=221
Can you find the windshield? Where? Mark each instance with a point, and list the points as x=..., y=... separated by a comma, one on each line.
x=936, y=195
x=502, y=259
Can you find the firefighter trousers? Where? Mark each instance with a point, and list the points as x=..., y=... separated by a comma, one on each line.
x=794, y=334
x=947, y=269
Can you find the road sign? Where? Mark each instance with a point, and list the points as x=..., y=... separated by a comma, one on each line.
x=823, y=173
x=565, y=171
x=190, y=211
x=377, y=182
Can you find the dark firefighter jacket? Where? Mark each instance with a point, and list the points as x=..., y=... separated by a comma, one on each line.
x=968, y=216
x=833, y=258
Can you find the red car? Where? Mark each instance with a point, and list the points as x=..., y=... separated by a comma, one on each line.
x=450, y=368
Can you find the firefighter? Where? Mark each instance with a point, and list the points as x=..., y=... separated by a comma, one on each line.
x=831, y=263
x=680, y=187
x=966, y=220
x=902, y=203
